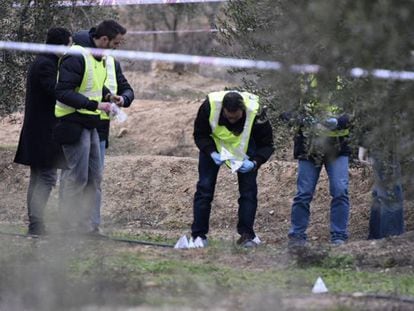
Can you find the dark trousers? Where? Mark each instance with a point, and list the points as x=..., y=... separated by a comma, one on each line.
x=387, y=211
x=41, y=182
x=203, y=197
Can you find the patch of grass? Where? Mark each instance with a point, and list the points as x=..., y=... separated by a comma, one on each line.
x=161, y=277
x=144, y=237
x=337, y=275
x=338, y=262
x=349, y=281
x=4, y=147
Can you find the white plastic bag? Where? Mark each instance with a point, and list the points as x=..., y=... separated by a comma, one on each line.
x=117, y=113
x=235, y=164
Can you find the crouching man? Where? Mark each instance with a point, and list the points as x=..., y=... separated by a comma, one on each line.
x=230, y=129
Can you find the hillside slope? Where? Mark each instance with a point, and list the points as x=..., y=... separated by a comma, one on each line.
x=151, y=172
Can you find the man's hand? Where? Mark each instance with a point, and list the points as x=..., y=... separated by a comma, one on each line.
x=104, y=106
x=247, y=166
x=118, y=100
x=330, y=123
x=216, y=158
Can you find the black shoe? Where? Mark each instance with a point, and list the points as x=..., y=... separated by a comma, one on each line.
x=96, y=231
x=246, y=241
x=36, y=230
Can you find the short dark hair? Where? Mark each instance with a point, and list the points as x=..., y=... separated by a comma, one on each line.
x=58, y=36
x=109, y=28
x=233, y=101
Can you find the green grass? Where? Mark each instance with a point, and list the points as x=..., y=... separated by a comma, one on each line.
x=4, y=147
x=146, y=237
x=160, y=277
x=173, y=273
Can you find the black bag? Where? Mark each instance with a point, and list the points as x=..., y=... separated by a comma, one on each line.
x=66, y=133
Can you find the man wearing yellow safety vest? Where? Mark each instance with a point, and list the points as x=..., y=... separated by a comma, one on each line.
x=233, y=130
x=321, y=140
x=117, y=85
x=81, y=97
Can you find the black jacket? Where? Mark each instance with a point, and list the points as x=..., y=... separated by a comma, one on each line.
x=84, y=38
x=71, y=71
x=261, y=136
x=36, y=146
x=333, y=146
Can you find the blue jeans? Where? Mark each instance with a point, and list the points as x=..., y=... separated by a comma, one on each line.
x=96, y=213
x=387, y=212
x=81, y=181
x=42, y=180
x=308, y=175
x=203, y=197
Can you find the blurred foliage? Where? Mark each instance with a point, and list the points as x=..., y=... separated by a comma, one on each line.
x=337, y=35
x=170, y=17
x=29, y=21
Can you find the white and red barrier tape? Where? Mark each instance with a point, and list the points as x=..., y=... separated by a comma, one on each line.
x=153, y=32
x=205, y=60
x=124, y=2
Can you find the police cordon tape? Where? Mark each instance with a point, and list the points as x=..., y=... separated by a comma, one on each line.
x=122, y=2
x=204, y=60
x=135, y=2
x=152, y=32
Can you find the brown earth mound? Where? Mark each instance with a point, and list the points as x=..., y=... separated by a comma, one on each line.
x=151, y=172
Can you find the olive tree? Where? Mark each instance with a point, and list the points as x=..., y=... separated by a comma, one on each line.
x=28, y=21
x=337, y=35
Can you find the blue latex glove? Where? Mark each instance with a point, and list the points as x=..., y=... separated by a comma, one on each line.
x=246, y=167
x=216, y=158
x=330, y=123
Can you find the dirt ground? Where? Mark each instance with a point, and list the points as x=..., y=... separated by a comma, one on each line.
x=151, y=172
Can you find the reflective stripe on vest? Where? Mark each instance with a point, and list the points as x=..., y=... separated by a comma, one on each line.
x=236, y=144
x=110, y=82
x=91, y=86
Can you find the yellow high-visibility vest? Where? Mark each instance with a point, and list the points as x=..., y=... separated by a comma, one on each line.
x=236, y=144
x=329, y=109
x=91, y=86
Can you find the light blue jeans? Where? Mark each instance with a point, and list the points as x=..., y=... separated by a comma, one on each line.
x=96, y=213
x=308, y=175
x=81, y=181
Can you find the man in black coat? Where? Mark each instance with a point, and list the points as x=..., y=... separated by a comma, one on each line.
x=125, y=96
x=36, y=145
